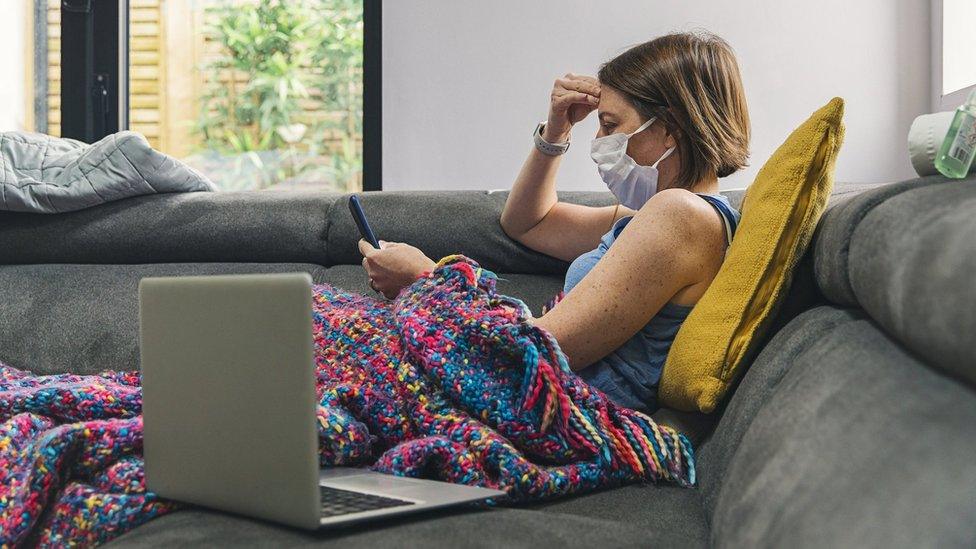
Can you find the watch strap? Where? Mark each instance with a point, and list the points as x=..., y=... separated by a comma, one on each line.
x=545, y=147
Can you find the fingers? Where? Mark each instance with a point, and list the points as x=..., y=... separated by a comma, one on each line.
x=575, y=83
x=570, y=98
x=366, y=248
x=388, y=293
x=574, y=89
x=588, y=78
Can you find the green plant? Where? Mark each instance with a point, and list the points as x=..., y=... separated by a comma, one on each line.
x=288, y=80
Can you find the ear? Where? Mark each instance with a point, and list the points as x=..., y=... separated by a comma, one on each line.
x=671, y=137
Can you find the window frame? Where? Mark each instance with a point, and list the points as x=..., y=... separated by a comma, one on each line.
x=372, y=95
x=94, y=68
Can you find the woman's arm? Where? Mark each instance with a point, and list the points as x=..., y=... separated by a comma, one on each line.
x=532, y=214
x=662, y=250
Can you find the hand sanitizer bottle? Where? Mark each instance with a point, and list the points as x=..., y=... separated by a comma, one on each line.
x=957, y=151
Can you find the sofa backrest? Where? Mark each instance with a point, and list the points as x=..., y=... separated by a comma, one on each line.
x=856, y=424
x=259, y=226
x=444, y=223
x=906, y=256
x=269, y=226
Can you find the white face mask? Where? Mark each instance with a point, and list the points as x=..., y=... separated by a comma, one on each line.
x=631, y=183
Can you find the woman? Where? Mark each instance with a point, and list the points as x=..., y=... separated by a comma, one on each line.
x=673, y=119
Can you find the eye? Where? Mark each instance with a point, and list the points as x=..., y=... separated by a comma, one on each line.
x=608, y=126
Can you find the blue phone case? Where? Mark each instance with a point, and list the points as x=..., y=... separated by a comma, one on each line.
x=357, y=214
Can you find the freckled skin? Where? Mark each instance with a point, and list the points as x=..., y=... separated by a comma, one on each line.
x=671, y=247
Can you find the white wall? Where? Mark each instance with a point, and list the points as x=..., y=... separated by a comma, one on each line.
x=13, y=87
x=465, y=81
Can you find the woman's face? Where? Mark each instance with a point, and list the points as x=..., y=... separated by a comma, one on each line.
x=618, y=115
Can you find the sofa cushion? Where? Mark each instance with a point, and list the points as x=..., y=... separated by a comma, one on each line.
x=261, y=226
x=85, y=318
x=753, y=391
x=843, y=439
x=780, y=212
x=461, y=527
x=911, y=263
x=673, y=513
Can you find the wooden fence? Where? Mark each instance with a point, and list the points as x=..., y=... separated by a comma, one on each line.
x=156, y=102
x=167, y=48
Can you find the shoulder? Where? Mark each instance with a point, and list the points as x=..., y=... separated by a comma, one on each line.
x=685, y=228
x=682, y=199
x=684, y=212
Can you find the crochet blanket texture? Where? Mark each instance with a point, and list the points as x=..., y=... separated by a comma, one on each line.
x=447, y=381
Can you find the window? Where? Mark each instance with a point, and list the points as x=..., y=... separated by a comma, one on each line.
x=256, y=94
x=958, y=45
x=954, y=46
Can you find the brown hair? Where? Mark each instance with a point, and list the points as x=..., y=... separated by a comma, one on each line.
x=691, y=82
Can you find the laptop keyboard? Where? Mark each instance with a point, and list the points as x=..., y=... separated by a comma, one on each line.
x=336, y=502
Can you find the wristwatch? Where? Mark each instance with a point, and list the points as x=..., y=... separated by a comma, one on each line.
x=545, y=147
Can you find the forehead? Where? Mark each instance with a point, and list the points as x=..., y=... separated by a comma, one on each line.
x=613, y=103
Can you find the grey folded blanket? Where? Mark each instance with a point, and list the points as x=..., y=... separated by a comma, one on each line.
x=44, y=174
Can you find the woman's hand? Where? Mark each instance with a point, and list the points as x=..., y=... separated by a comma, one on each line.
x=394, y=266
x=573, y=98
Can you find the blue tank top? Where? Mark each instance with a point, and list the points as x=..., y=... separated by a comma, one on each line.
x=630, y=374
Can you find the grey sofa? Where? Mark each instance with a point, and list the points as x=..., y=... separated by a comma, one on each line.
x=854, y=426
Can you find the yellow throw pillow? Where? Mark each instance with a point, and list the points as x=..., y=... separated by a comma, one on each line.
x=779, y=213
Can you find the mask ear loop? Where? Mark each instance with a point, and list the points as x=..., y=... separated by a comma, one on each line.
x=613, y=218
x=642, y=127
x=666, y=154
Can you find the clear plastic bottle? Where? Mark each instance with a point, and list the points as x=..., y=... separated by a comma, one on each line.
x=957, y=151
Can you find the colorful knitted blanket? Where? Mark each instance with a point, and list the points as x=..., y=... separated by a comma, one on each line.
x=446, y=381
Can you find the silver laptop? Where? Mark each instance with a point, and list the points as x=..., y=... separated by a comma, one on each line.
x=229, y=407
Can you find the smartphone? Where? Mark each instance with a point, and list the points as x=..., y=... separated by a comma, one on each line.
x=357, y=214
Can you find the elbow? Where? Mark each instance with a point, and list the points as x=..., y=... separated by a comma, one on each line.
x=509, y=228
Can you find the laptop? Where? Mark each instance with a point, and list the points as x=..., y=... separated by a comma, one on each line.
x=229, y=407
